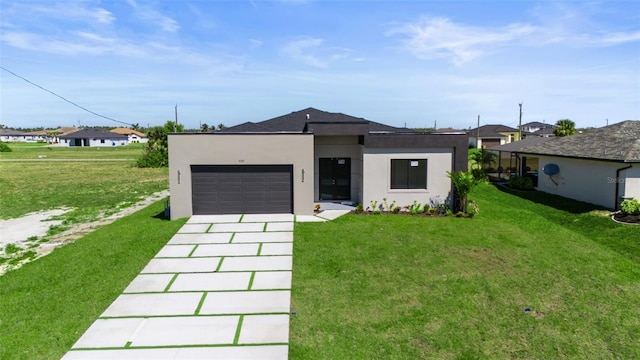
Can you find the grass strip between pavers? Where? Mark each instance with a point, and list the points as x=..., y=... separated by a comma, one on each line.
x=195, y=315
x=194, y=250
x=204, y=296
x=166, y=289
x=259, y=249
x=46, y=305
x=219, y=264
x=238, y=330
x=253, y=275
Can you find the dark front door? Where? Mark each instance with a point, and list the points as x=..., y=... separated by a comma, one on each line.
x=335, y=178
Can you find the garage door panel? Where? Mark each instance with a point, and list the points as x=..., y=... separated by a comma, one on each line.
x=248, y=189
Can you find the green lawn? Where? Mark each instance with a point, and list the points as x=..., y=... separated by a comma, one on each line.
x=46, y=305
x=45, y=151
x=402, y=287
x=88, y=187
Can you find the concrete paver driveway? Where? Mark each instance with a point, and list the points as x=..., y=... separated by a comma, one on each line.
x=219, y=289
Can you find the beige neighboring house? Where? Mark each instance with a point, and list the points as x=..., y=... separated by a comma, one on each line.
x=288, y=163
x=133, y=136
x=600, y=167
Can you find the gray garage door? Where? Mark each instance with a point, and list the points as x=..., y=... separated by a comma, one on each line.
x=241, y=189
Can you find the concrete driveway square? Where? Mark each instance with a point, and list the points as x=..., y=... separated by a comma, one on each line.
x=170, y=251
x=185, y=265
x=211, y=282
x=211, y=219
x=264, y=329
x=194, y=228
x=240, y=227
x=154, y=304
x=109, y=333
x=265, y=352
x=226, y=250
x=267, y=280
x=180, y=331
x=277, y=249
x=256, y=263
x=246, y=302
x=221, y=238
x=149, y=283
x=263, y=218
x=263, y=237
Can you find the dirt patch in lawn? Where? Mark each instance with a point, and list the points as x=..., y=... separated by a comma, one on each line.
x=24, y=239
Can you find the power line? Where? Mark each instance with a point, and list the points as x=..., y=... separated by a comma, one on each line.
x=63, y=98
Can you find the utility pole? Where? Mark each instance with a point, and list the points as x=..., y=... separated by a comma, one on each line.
x=478, y=134
x=607, y=121
x=175, y=125
x=520, y=122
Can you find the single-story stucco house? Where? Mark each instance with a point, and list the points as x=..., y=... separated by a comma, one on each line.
x=288, y=163
x=93, y=137
x=600, y=167
x=133, y=136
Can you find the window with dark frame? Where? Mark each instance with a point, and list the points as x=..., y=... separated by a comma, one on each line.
x=408, y=173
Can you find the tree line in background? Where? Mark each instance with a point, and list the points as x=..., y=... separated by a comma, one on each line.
x=156, y=151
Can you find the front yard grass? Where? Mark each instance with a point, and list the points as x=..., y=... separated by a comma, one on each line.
x=88, y=187
x=532, y=276
x=46, y=305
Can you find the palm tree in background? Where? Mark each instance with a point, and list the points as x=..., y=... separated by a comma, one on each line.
x=564, y=127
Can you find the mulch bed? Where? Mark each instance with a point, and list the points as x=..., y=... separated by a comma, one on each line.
x=626, y=218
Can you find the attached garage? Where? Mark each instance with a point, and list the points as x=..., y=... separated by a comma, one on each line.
x=241, y=189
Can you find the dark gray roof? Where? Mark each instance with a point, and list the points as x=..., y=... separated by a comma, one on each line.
x=246, y=127
x=491, y=130
x=93, y=133
x=297, y=120
x=537, y=124
x=544, y=131
x=618, y=142
x=517, y=146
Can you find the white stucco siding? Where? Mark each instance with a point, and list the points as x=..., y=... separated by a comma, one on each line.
x=239, y=149
x=590, y=181
x=630, y=179
x=377, y=176
x=108, y=142
x=339, y=147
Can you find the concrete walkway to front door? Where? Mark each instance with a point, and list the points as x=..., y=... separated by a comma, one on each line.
x=219, y=289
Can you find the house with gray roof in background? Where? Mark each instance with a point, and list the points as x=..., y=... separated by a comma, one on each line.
x=93, y=137
x=601, y=166
x=291, y=162
x=492, y=135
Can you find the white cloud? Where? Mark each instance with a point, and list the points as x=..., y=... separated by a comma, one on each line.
x=154, y=17
x=68, y=10
x=432, y=38
x=441, y=38
x=310, y=51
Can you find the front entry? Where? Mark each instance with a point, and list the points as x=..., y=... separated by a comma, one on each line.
x=335, y=178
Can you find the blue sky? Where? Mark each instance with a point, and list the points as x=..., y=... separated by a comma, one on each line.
x=415, y=63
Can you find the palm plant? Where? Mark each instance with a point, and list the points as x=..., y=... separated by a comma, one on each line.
x=463, y=182
x=565, y=127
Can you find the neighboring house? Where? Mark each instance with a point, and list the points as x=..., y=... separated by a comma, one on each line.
x=536, y=128
x=11, y=135
x=285, y=164
x=601, y=166
x=509, y=159
x=492, y=135
x=35, y=136
x=133, y=136
x=93, y=137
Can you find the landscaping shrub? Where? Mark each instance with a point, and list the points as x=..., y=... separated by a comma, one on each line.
x=631, y=207
x=520, y=183
x=4, y=147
